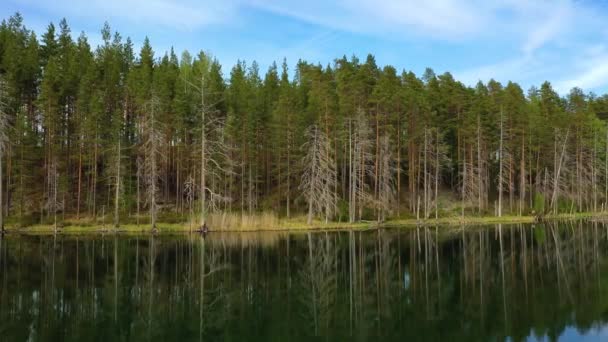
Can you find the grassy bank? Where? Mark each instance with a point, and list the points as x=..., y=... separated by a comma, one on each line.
x=232, y=223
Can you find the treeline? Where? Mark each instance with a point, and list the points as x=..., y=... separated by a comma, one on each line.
x=94, y=131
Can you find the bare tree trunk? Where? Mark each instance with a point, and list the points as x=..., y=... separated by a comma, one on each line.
x=250, y=189
x=377, y=161
x=288, y=182
x=9, y=175
x=139, y=166
x=319, y=177
x=437, y=175
x=500, y=175
x=398, y=165
x=425, y=178
x=94, y=185
x=79, y=181
x=1, y=189
x=4, y=141
x=351, y=210
x=203, y=157
x=479, y=166
x=117, y=188
x=313, y=167
x=557, y=173
x=464, y=181
x=522, y=181
x=21, y=191
x=593, y=172
x=152, y=150
x=55, y=176
x=153, y=191
x=360, y=182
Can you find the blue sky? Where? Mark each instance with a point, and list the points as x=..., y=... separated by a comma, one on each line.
x=526, y=41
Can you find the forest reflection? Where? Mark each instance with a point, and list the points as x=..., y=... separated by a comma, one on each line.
x=516, y=282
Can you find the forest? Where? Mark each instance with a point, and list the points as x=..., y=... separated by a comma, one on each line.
x=89, y=133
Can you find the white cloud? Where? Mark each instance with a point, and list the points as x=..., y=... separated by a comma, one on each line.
x=558, y=42
x=590, y=70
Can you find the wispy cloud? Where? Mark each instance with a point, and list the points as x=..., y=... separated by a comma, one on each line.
x=555, y=20
x=554, y=43
x=590, y=70
x=545, y=37
x=447, y=19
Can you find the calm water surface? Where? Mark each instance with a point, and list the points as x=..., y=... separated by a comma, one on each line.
x=509, y=283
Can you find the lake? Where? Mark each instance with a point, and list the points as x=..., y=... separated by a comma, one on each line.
x=494, y=283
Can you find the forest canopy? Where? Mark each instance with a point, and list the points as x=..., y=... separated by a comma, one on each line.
x=88, y=131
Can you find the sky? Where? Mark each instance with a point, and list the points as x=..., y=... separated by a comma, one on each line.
x=525, y=41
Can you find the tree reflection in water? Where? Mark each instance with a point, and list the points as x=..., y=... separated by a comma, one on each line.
x=515, y=282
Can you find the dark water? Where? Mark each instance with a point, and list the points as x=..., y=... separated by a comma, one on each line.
x=516, y=283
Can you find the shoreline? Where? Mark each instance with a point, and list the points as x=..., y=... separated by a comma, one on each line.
x=291, y=226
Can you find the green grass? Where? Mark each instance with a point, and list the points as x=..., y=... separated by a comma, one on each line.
x=264, y=222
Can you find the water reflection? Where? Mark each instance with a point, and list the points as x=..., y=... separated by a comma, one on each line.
x=514, y=282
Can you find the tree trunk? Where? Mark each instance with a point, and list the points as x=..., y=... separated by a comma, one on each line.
x=606, y=174
x=138, y=191
x=479, y=166
x=437, y=175
x=117, y=189
x=425, y=177
x=522, y=180
x=94, y=185
x=464, y=182
x=351, y=211
x=203, y=156
x=288, y=182
x=557, y=174
x=1, y=190
x=398, y=165
x=500, y=167
x=79, y=182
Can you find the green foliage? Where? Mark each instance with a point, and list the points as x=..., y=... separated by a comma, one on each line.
x=539, y=203
x=71, y=106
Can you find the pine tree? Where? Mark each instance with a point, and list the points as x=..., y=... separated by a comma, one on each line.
x=80, y=136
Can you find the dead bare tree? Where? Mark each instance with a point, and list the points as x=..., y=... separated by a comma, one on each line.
x=480, y=173
x=319, y=176
x=52, y=205
x=505, y=165
x=153, y=156
x=215, y=164
x=558, y=167
x=4, y=141
x=474, y=175
x=473, y=181
x=139, y=175
x=438, y=159
x=386, y=179
x=360, y=157
x=218, y=166
x=434, y=160
x=117, y=168
x=606, y=172
x=189, y=189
